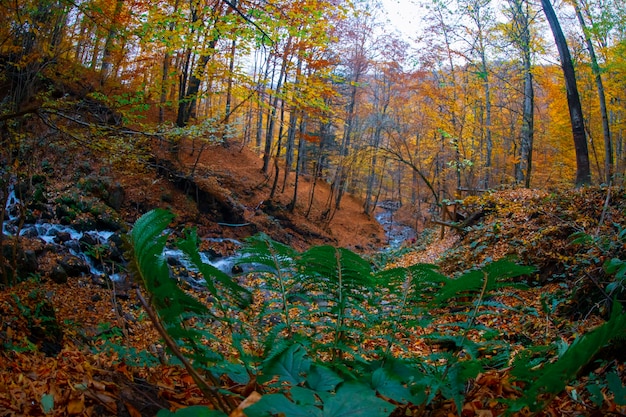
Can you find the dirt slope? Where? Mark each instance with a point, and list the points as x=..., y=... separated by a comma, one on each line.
x=228, y=196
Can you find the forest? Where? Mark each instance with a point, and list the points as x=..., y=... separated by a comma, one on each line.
x=296, y=208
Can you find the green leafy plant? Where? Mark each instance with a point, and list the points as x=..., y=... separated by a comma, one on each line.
x=170, y=308
x=330, y=334
x=545, y=379
x=603, y=264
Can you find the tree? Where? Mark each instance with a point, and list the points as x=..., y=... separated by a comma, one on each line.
x=355, y=54
x=189, y=90
x=583, y=171
x=595, y=67
x=106, y=68
x=519, y=33
x=483, y=21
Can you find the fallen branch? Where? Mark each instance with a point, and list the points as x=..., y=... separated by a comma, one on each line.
x=469, y=221
x=457, y=226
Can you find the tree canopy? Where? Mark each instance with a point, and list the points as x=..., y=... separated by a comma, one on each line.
x=473, y=99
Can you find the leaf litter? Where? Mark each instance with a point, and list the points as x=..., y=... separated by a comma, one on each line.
x=87, y=377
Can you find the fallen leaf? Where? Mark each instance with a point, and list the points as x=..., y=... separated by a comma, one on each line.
x=132, y=410
x=251, y=399
x=75, y=406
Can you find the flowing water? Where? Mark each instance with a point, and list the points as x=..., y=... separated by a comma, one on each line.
x=66, y=239
x=397, y=233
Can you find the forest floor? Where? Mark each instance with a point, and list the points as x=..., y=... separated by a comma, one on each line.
x=92, y=376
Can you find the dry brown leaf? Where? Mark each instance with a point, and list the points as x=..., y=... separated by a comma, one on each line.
x=132, y=410
x=251, y=399
x=75, y=406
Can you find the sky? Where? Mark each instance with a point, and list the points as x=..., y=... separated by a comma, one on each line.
x=404, y=15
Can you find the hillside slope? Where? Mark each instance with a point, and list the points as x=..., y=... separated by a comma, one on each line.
x=227, y=196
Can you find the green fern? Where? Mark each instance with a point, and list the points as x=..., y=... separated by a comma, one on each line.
x=148, y=264
x=309, y=389
x=407, y=293
x=553, y=377
x=276, y=264
x=328, y=302
x=344, y=282
x=471, y=283
x=175, y=309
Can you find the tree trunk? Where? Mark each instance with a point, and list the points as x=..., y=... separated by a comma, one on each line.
x=522, y=38
x=107, y=64
x=528, y=118
x=278, y=150
x=341, y=175
x=187, y=104
x=294, y=114
x=583, y=172
x=269, y=135
x=167, y=59
x=488, y=136
x=229, y=89
x=189, y=94
x=300, y=161
x=608, y=143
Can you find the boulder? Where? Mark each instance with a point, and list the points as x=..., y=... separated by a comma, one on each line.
x=58, y=274
x=74, y=266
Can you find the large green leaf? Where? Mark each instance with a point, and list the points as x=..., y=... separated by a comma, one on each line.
x=303, y=396
x=278, y=404
x=356, y=400
x=489, y=277
x=235, y=371
x=291, y=367
x=556, y=375
x=392, y=387
x=617, y=388
x=322, y=378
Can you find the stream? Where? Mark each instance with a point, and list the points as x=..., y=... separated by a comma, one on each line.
x=84, y=250
x=397, y=233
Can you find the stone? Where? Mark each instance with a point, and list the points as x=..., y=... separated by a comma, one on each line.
x=117, y=196
x=74, y=266
x=58, y=274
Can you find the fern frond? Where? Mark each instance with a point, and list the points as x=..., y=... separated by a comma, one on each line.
x=473, y=282
x=266, y=255
x=277, y=346
x=148, y=263
x=329, y=264
x=189, y=245
x=554, y=376
x=147, y=228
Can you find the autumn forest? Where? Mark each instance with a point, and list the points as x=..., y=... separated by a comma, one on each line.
x=297, y=208
x=476, y=98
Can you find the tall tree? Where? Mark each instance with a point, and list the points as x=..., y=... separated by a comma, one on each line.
x=106, y=68
x=355, y=50
x=167, y=58
x=448, y=67
x=583, y=171
x=519, y=33
x=483, y=21
x=189, y=90
x=595, y=67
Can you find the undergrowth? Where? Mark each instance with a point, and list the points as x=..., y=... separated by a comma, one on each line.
x=327, y=333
